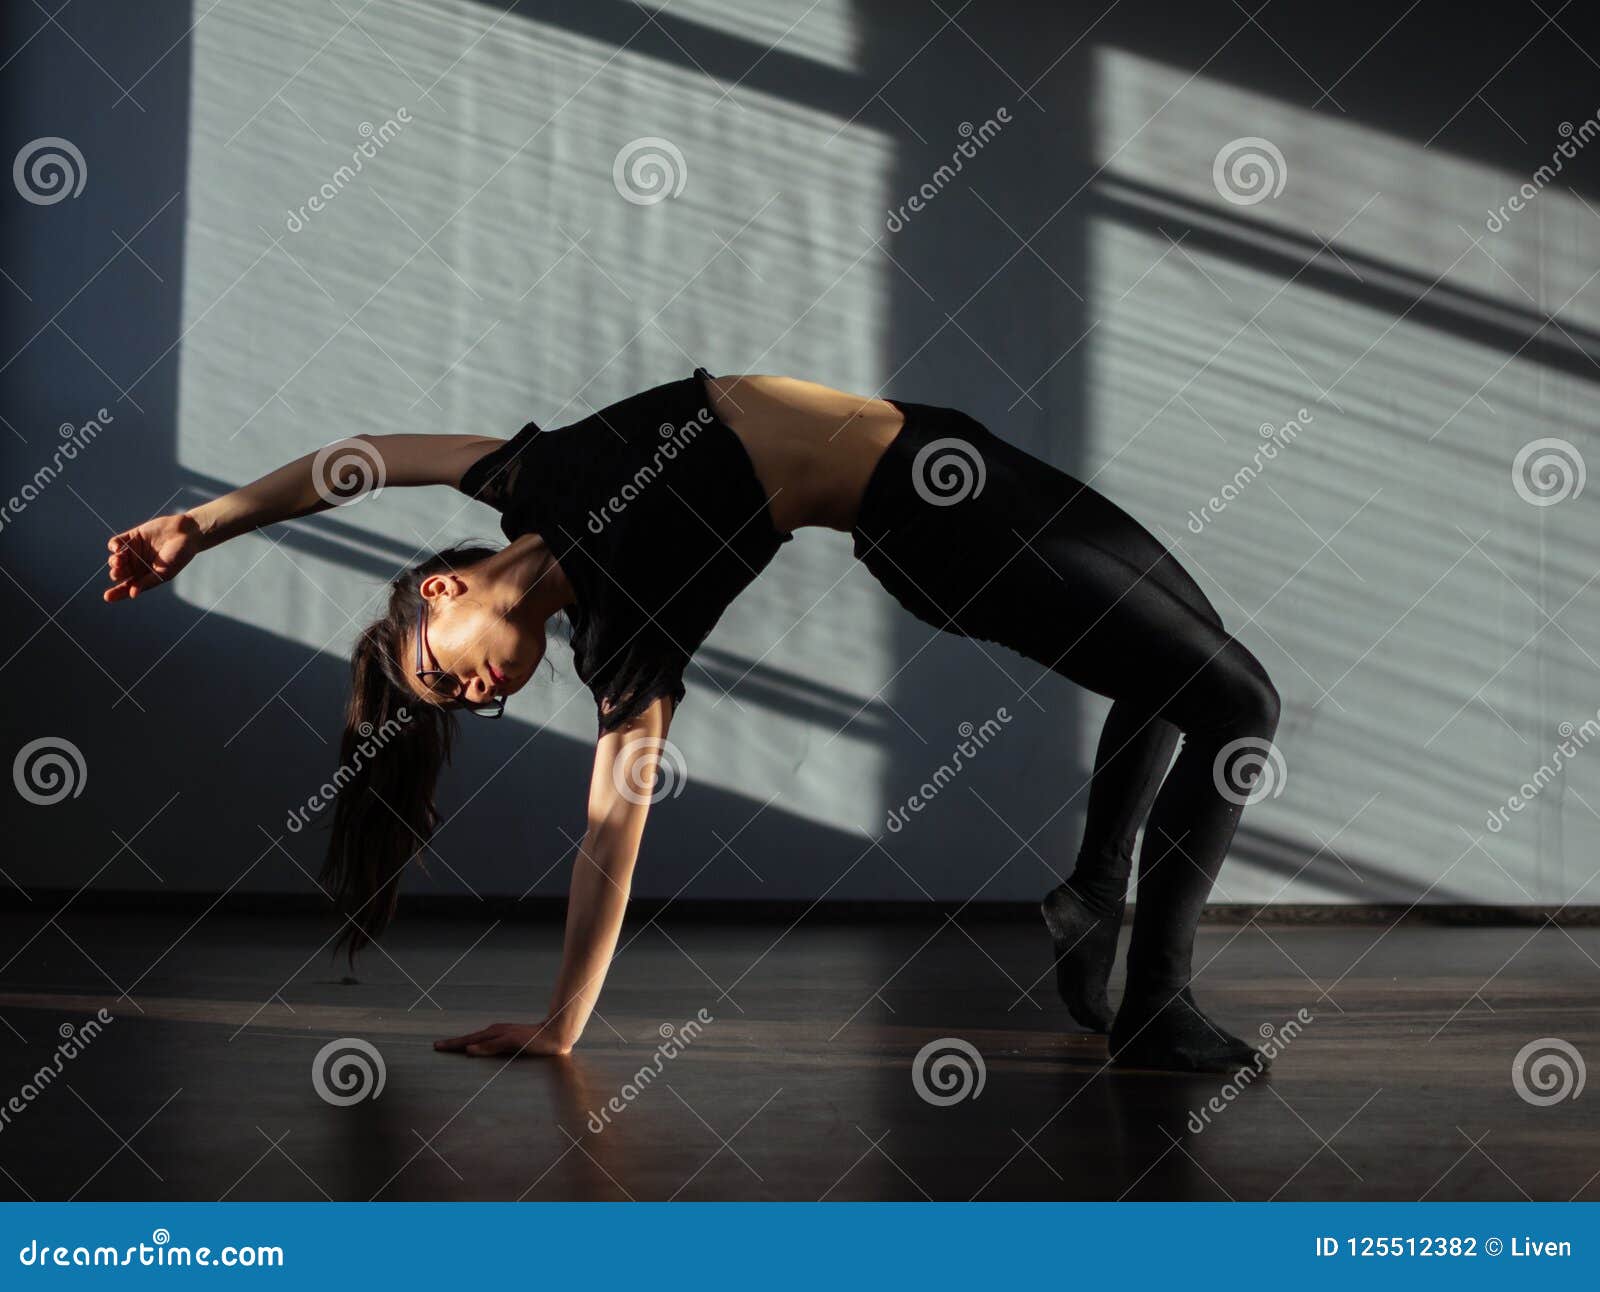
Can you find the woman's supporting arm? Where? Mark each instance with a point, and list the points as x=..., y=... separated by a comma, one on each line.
x=620, y=793
x=154, y=552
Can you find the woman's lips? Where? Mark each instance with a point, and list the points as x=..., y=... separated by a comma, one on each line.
x=499, y=677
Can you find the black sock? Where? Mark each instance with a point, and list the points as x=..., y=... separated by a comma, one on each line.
x=1102, y=886
x=1167, y=1029
x=1085, y=940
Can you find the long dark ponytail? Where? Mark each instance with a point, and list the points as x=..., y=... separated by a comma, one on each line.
x=393, y=747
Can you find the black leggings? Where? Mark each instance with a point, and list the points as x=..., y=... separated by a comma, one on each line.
x=975, y=536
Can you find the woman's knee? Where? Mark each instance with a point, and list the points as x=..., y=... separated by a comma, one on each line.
x=1252, y=696
x=1235, y=696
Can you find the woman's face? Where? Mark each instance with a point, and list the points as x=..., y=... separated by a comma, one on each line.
x=486, y=649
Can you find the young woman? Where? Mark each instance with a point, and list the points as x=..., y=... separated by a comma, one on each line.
x=642, y=522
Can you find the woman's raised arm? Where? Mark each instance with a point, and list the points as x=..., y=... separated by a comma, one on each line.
x=154, y=552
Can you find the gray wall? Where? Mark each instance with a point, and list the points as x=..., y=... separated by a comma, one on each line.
x=1082, y=286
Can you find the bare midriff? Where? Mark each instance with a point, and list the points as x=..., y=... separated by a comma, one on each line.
x=813, y=447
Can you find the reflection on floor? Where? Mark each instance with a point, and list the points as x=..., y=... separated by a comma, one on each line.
x=802, y=1085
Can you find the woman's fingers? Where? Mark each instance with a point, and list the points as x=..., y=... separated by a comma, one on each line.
x=500, y=1039
x=142, y=558
x=462, y=1042
x=130, y=587
x=126, y=587
x=133, y=566
x=128, y=560
x=508, y=1042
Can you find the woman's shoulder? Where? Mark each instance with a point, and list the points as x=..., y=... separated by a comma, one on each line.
x=496, y=474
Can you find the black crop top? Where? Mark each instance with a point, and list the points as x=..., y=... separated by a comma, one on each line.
x=655, y=513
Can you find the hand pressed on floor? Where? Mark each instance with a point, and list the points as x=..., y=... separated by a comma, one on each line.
x=509, y=1039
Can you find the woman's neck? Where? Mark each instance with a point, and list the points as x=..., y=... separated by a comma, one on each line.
x=526, y=574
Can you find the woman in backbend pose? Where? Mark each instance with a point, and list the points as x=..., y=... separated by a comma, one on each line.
x=642, y=522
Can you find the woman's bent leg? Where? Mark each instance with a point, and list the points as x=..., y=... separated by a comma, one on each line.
x=1191, y=825
x=1039, y=562
x=1131, y=758
x=1129, y=762
x=1084, y=915
x=1095, y=619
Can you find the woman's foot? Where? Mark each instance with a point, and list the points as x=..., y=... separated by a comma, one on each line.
x=1085, y=945
x=1172, y=1033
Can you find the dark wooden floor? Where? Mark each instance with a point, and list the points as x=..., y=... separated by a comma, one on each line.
x=1400, y=1088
